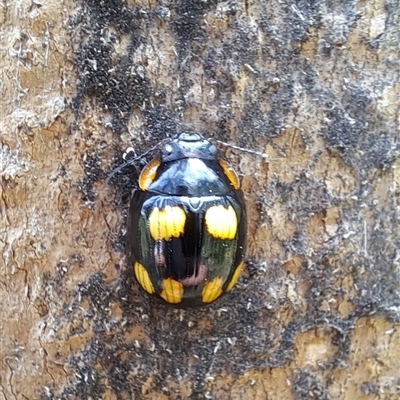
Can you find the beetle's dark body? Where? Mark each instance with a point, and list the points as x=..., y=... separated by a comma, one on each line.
x=187, y=224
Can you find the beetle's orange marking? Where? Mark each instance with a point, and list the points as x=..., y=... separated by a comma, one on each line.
x=212, y=290
x=172, y=291
x=148, y=174
x=221, y=222
x=167, y=223
x=143, y=278
x=235, y=277
x=229, y=173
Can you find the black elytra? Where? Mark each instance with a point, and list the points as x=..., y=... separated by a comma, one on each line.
x=186, y=236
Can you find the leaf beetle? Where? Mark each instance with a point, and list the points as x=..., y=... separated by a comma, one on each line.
x=186, y=233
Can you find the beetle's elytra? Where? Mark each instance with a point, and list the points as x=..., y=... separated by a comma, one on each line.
x=187, y=224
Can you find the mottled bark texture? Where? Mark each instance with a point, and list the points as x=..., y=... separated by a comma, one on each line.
x=313, y=84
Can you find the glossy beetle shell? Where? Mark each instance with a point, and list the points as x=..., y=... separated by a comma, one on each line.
x=187, y=224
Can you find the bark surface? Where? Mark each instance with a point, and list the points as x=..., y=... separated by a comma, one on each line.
x=312, y=84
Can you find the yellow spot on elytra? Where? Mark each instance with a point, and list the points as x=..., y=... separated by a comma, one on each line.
x=235, y=277
x=172, y=291
x=212, y=290
x=167, y=223
x=229, y=173
x=221, y=222
x=143, y=278
x=148, y=174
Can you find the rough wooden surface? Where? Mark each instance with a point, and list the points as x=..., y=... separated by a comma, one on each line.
x=314, y=85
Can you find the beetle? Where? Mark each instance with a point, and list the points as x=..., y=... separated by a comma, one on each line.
x=186, y=233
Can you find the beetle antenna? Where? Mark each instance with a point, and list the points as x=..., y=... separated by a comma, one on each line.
x=133, y=160
x=254, y=152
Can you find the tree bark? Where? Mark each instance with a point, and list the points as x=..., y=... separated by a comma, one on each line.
x=312, y=84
